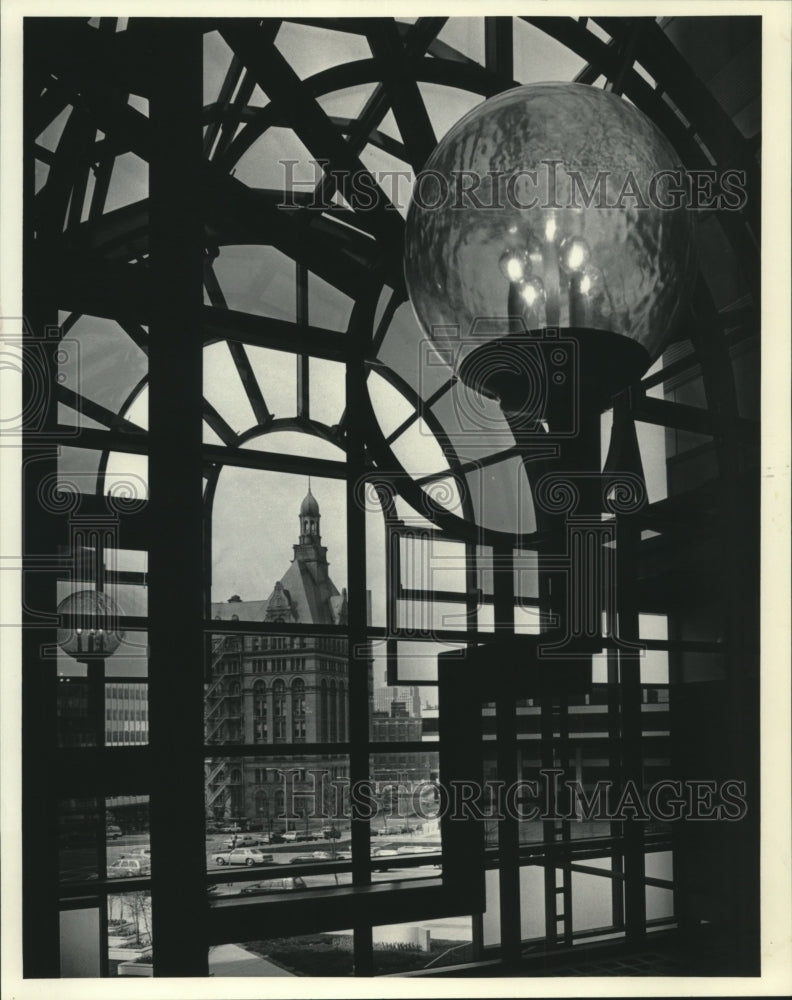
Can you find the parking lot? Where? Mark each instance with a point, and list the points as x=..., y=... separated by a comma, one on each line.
x=79, y=862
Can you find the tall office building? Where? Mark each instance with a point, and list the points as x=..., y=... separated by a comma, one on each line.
x=410, y=697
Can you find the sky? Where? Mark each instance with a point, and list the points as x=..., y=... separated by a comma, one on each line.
x=256, y=522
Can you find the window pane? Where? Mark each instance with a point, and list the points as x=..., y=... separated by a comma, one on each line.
x=654, y=666
x=538, y=57
x=405, y=827
x=279, y=547
x=127, y=836
x=416, y=662
x=78, y=838
x=306, y=445
x=501, y=497
x=257, y=279
x=272, y=884
x=328, y=954
x=102, y=363
x=330, y=309
x=223, y=389
x=126, y=714
x=466, y=35
x=106, y=585
x=491, y=916
x=129, y=939
x=659, y=903
x=79, y=943
x=376, y=561
x=310, y=48
x=77, y=717
x=402, y=713
x=275, y=689
x=532, y=909
x=276, y=374
x=282, y=808
x=592, y=901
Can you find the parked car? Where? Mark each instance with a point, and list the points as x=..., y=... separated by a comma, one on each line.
x=113, y=832
x=277, y=838
x=384, y=852
x=273, y=885
x=242, y=856
x=290, y=835
x=304, y=859
x=142, y=853
x=243, y=840
x=128, y=868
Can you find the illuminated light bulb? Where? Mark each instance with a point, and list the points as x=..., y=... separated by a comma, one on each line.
x=591, y=280
x=645, y=259
x=575, y=254
x=80, y=640
x=515, y=264
x=532, y=291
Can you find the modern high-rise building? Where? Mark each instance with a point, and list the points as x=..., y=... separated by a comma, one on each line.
x=397, y=718
x=410, y=697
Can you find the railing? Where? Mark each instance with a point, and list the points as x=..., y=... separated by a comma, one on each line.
x=217, y=727
x=210, y=780
x=209, y=711
x=214, y=795
x=458, y=955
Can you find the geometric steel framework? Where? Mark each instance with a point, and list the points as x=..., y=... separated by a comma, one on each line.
x=114, y=103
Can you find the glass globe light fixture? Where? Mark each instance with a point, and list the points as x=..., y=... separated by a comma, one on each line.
x=99, y=636
x=550, y=207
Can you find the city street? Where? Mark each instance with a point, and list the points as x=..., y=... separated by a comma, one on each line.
x=79, y=863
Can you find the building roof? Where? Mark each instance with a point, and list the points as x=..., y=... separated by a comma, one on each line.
x=305, y=593
x=310, y=597
x=252, y=611
x=309, y=506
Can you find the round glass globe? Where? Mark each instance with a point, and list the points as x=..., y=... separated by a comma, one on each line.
x=573, y=189
x=100, y=636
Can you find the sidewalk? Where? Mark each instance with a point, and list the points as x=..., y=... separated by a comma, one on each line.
x=233, y=960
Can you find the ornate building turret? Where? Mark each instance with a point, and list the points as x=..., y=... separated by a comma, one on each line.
x=309, y=552
x=309, y=519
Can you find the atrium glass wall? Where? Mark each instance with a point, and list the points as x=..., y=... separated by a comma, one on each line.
x=273, y=565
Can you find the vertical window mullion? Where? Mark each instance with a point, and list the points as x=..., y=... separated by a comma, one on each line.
x=506, y=729
x=359, y=661
x=43, y=532
x=176, y=597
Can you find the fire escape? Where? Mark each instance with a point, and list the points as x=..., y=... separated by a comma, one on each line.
x=222, y=720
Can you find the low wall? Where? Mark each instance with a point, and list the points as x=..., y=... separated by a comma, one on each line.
x=415, y=937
